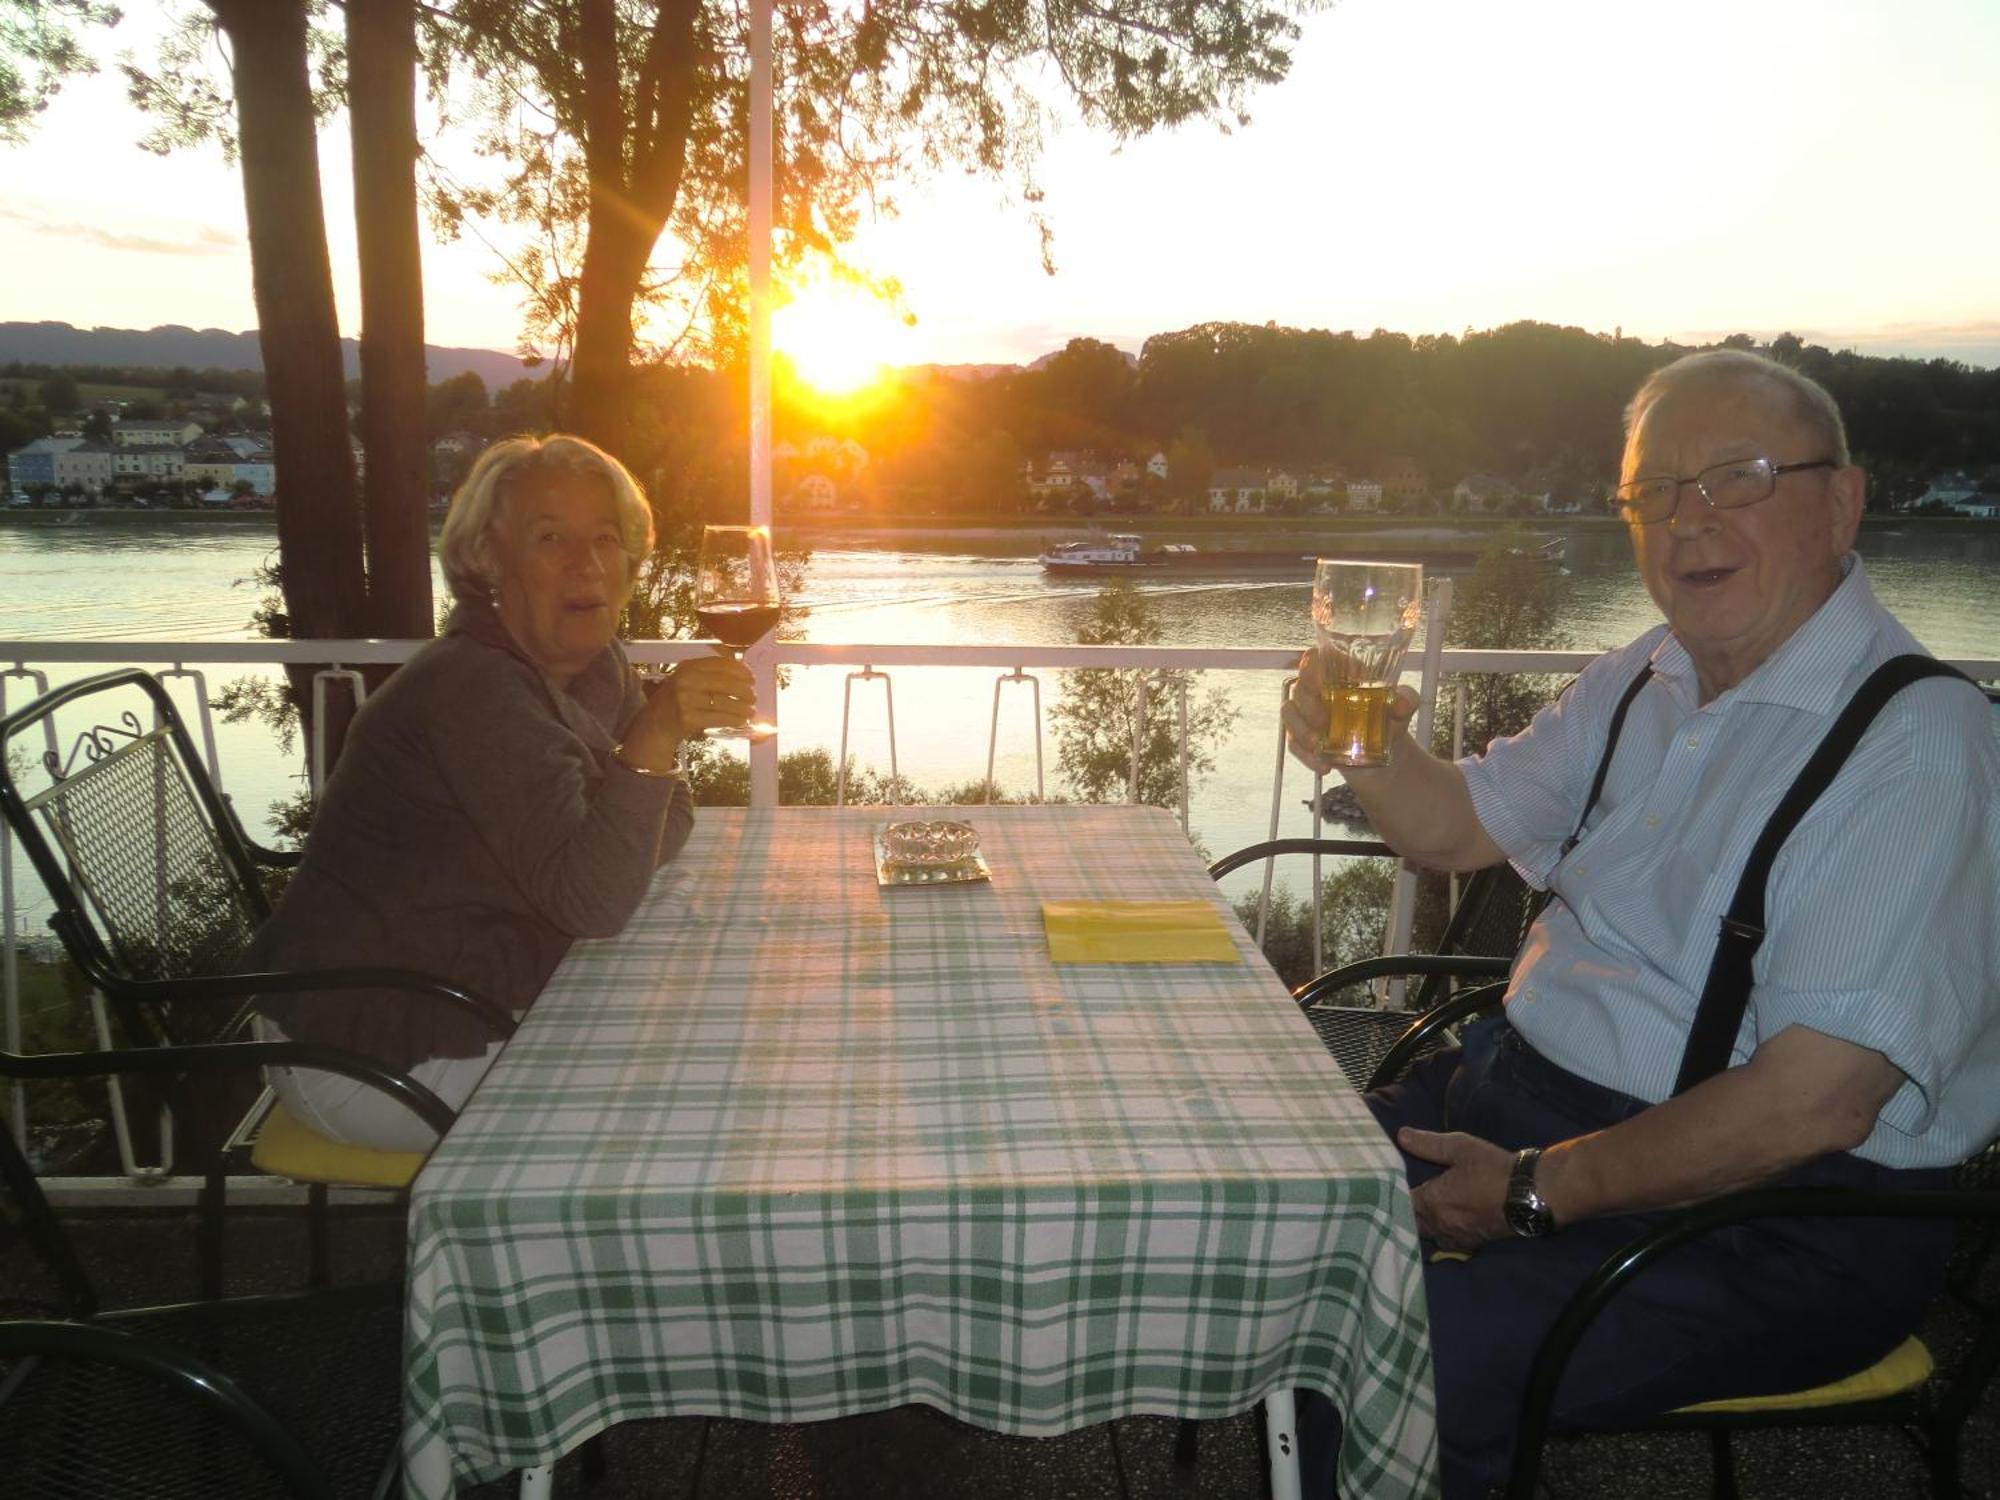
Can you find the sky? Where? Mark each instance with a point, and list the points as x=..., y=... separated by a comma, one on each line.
x=1824, y=167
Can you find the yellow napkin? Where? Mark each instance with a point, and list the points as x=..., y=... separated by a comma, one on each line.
x=1137, y=932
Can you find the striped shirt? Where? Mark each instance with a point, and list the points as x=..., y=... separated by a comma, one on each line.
x=1883, y=906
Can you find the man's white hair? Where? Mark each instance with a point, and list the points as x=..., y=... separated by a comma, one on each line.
x=1806, y=396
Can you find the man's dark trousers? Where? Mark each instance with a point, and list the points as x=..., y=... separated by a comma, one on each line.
x=1773, y=1306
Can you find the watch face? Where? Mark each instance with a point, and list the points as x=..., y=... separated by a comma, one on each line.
x=1526, y=1218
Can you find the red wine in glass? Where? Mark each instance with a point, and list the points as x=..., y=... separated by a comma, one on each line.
x=736, y=600
x=737, y=623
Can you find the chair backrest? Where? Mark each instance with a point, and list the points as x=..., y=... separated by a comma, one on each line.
x=149, y=872
x=1495, y=907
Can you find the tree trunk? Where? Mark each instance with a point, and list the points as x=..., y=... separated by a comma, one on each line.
x=319, y=521
x=381, y=97
x=635, y=161
x=614, y=260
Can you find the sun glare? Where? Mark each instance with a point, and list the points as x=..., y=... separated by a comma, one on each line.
x=836, y=335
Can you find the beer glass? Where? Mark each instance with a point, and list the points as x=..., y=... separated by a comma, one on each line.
x=1364, y=617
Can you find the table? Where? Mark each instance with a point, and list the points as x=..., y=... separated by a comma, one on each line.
x=795, y=1147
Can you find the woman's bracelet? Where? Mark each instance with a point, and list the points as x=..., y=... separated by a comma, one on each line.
x=618, y=754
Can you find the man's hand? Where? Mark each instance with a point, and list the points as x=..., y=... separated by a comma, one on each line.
x=1461, y=1208
x=1305, y=717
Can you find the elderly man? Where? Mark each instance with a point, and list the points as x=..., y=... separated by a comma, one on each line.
x=1869, y=1053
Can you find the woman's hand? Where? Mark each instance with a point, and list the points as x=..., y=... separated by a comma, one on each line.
x=1304, y=715
x=702, y=692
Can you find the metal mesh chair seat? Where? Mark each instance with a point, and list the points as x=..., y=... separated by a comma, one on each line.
x=1360, y=1039
x=1483, y=934
x=324, y=1370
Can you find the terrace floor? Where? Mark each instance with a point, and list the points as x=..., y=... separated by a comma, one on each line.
x=915, y=1452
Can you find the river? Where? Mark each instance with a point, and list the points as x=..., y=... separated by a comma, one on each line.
x=186, y=579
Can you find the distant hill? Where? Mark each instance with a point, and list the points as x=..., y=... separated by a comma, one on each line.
x=213, y=349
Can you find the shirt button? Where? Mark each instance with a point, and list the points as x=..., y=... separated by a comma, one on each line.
x=1652, y=820
x=1694, y=742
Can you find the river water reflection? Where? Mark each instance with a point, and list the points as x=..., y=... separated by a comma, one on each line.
x=187, y=579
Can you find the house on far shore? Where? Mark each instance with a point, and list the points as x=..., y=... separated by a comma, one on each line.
x=33, y=464
x=1961, y=493
x=1483, y=493
x=1237, y=490
x=1402, y=479
x=1364, y=494
x=131, y=432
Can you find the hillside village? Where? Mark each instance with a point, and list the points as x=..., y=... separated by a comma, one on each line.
x=178, y=462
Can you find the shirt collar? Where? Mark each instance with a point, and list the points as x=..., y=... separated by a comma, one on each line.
x=1809, y=670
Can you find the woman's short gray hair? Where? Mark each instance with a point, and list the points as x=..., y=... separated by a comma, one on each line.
x=464, y=546
x=1809, y=399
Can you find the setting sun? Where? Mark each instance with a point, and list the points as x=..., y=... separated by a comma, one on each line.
x=837, y=334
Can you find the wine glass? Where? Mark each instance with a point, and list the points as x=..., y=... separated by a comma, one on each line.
x=736, y=600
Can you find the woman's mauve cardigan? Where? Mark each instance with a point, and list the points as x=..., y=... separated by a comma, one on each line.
x=476, y=823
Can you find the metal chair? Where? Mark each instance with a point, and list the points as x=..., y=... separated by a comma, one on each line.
x=279, y=1394
x=1930, y=1383
x=1478, y=943
x=157, y=891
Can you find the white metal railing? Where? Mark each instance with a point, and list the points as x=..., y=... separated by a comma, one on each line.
x=25, y=661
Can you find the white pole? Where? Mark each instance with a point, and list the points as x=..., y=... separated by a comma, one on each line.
x=763, y=754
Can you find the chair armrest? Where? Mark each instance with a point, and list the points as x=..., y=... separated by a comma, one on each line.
x=275, y=859
x=187, y=1376
x=1690, y=1223
x=1394, y=965
x=305, y=981
x=406, y=1091
x=1448, y=1013
x=1271, y=847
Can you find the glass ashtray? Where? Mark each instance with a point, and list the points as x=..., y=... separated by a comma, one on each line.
x=929, y=844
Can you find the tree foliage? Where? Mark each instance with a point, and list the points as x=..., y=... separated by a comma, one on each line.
x=615, y=121
x=1095, y=717
x=1354, y=904
x=1539, y=406
x=1509, y=602
x=41, y=45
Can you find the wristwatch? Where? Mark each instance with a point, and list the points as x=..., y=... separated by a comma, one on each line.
x=1527, y=1211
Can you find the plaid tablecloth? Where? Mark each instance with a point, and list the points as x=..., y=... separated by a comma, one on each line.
x=794, y=1147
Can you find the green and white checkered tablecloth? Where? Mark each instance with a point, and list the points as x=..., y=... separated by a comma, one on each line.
x=793, y=1147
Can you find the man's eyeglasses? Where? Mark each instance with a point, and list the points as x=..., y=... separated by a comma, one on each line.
x=1729, y=486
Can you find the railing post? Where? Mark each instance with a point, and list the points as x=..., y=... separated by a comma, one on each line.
x=1277, y=802
x=993, y=733
x=202, y=716
x=1185, y=777
x=763, y=753
x=316, y=764
x=1139, y=690
x=866, y=674
x=1403, y=899
x=10, y=966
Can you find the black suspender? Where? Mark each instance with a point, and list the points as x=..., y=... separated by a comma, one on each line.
x=1726, y=995
x=1604, y=760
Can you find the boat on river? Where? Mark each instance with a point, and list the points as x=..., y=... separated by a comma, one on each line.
x=1126, y=553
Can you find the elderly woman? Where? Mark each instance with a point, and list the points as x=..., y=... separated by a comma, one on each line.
x=508, y=790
